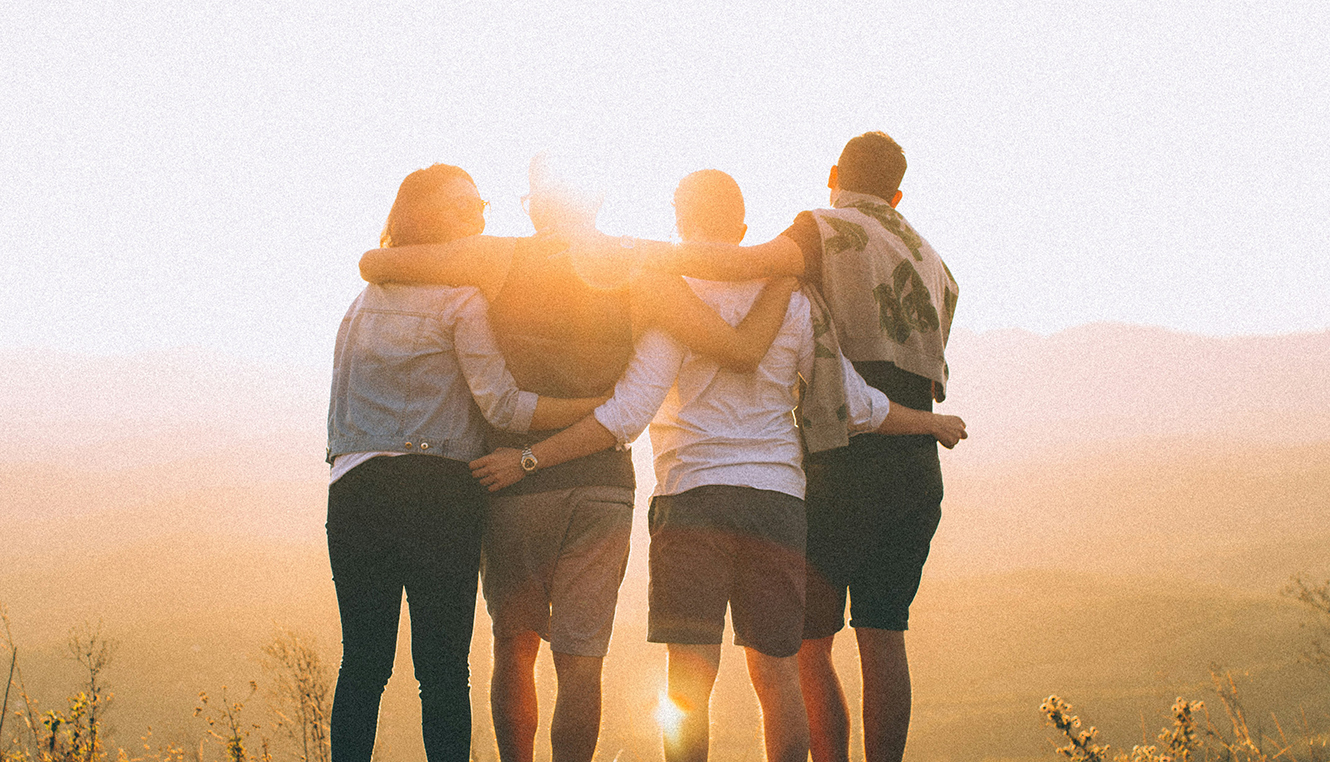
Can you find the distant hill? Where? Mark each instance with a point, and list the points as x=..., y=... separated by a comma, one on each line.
x=1022, y=393
x=1129, y=503
x=1201, y=508
x=1018, y=390
x=111, y=413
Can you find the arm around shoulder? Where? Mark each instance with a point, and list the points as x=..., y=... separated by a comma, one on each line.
x=480, y=261
x=666, y=302
x=721, y=261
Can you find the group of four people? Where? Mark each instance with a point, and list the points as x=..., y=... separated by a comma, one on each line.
x=569, y=343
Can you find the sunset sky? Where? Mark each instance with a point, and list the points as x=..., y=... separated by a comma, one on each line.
x=207, y=174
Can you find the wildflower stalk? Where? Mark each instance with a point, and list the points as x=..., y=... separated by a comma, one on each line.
x=1081, y=746
x=9, y=683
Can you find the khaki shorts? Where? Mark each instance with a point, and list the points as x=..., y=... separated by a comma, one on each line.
x=552, y=563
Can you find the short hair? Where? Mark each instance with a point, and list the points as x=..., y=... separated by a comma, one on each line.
x=871, y=163
x=409, y=221
x=710, y=202
x=575, y=179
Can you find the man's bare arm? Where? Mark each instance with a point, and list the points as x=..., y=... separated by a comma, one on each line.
x=721, y=261
x=637, y=396
x=557, y=412
x=666, y=302
x=503, y=467
x=480, y=261
x=946, y=429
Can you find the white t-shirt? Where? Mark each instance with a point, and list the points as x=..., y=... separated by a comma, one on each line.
x=715, y=426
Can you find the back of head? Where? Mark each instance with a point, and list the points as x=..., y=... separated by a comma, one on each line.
x=566, y=190
x=871, y=163
x=708, y=206
x=417, y=215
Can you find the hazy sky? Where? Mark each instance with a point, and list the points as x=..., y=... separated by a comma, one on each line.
x=208, y=176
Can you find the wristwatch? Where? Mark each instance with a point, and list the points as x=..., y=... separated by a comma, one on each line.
x=529, y=462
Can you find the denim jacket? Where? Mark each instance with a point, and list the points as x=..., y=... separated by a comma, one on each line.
x=415, y=369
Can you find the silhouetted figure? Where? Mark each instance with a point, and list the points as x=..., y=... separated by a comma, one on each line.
x=874, y=504
x=415, y=369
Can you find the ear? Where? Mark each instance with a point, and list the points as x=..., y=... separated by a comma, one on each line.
x=896, y=199
x=832, y=179
x=743, y=231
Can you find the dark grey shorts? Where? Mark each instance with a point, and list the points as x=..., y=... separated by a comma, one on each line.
x=552, y=563
x=719, y=545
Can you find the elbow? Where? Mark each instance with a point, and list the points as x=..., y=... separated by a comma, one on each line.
x=367, y=269
x=371, y=266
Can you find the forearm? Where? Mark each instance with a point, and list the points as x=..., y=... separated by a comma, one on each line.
x=948, y=430
x=721, y=261
x=667, y=302
x=557, y=412
x=759, y=328
x=637, y=396
x=582, y=438
x=408, y=264
x=905, y=420
x=503, y=467
x=479, y=260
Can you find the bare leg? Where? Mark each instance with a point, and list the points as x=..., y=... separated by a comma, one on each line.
x=828, y=714
x=784, y=720
x=692, y=674
x=886, y=672
x=513, y=696
x=575, y=727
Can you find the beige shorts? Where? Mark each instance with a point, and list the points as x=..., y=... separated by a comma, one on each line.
x=552, y=562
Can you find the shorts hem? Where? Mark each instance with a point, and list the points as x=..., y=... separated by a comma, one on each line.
x=773, y=652
x=822, y=632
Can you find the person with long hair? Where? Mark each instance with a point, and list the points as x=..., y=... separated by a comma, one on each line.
x=416, y=374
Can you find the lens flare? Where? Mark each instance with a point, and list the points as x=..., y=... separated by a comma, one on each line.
x=669, y=716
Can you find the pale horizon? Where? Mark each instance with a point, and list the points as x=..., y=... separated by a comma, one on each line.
x=209, y=177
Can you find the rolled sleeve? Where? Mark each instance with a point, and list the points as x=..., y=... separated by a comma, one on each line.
x=867, y=407
x=642, y=389
x=496, y=393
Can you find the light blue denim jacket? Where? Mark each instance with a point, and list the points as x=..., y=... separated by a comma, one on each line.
x=415, y=369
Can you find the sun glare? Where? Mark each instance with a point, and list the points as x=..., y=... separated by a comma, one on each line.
x=669, y=716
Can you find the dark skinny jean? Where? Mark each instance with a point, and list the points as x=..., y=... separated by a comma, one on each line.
x=408, y=522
